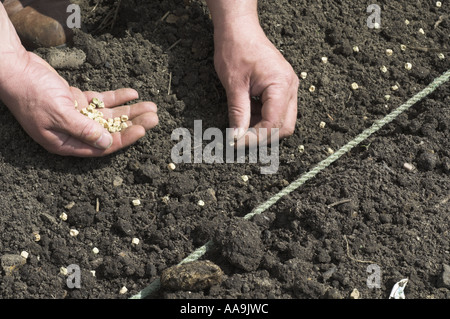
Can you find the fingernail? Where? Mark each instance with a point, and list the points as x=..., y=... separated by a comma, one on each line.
x=105, y=141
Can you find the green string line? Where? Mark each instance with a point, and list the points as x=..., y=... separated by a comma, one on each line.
x=376, y=126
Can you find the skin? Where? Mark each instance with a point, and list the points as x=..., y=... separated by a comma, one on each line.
x=248, y=65
x=246, y=62
x=44, y=104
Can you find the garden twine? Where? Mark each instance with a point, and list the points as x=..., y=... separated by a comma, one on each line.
x=376, y=126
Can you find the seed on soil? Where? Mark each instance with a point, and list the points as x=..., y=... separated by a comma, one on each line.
x=438, y=4
x=95, y=250
x=383, y=69
x=24, y=254
x=63, y=216
x=303, y=75
x=408, y=166
x=135, y=241
x=244, y=178
x=387, y=97
x=312, y=88
x=63, y=271
x=36, y=236
x=406, y=21
x=441, y=56
x=421, y=31
x=171, y=166
x=322, y=124
x=408, y=66
x=356, y=49
x=402, y=47
x=136, y=202
x=394, y=87
x=389, y=52
x=74, y=232
x=301, y=148
x=201, y=203
x=330, y=151
x=123, y=290
x=354, y=86
x=355, y=294
x=324, y=60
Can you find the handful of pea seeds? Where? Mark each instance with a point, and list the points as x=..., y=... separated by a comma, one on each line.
x=113, y=125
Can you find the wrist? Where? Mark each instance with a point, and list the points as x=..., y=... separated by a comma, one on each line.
x=230, y=15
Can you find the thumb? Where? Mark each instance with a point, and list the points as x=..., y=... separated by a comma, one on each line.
x=88, y=131
x=239, y=111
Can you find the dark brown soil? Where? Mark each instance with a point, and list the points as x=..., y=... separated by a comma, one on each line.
x=309, y=244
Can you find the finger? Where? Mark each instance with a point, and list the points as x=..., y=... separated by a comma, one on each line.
x=239, y=111
x=113, y=98
x=131, y=111
x=85, y=130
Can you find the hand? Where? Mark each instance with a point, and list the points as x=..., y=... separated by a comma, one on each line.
x=249, y=65
x=44, y=104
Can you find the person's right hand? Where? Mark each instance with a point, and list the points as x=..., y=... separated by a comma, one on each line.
x=44, y=104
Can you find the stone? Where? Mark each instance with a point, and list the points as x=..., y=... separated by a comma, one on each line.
x=444, y=277
x=11, y=262
x=66, y=58
x=192, y=276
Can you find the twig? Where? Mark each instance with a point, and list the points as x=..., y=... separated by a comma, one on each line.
x=354, y=259
x=171, y=47
x=339, y=202
x=423, y=49
x=115, y=15
x=441, y=19
x=170, y=83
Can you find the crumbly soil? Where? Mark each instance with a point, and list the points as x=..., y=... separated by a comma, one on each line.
x=317, y=242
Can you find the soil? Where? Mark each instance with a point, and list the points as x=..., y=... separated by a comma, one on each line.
x=319, y=241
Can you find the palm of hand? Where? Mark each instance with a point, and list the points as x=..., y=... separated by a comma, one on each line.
x=44, y=105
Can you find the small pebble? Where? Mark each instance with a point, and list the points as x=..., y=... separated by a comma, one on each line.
x=322, y=124
x=63, y=216
x=408, y=166
x=324, y=60
x=383, y=69
x=408, y=66
x=312, y=88
x=389, y=52
x=171, y=166
x=354, y=86
x=438, y=4
x=441, y=56
x=24, y=254
x=421, y=31
x=135, y=241
x=95, y=250
x=201, y=203
x=117, y=181
x=244, y=178
x=303, y=75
